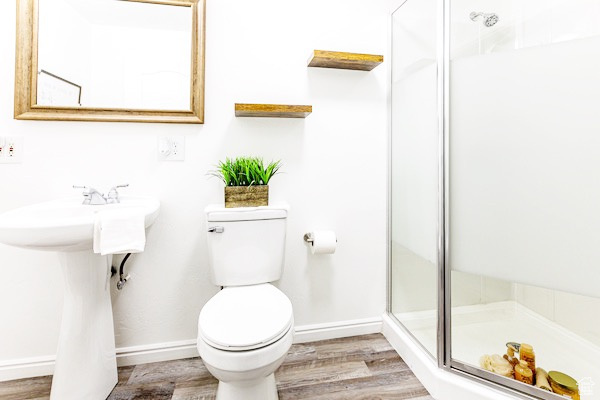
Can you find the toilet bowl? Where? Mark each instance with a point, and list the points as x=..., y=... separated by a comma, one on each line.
x=244, y=333
x=246, y=329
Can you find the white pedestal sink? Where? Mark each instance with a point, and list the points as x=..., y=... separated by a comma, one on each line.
x=86, y=366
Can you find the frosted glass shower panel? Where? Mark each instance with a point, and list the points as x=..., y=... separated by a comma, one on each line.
x=525, y=165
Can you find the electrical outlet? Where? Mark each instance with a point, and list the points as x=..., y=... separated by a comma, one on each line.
x=11, y=150
x=171, y=148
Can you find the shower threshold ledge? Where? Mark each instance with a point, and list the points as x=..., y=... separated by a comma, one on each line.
x=498, y=321
x=440, y=383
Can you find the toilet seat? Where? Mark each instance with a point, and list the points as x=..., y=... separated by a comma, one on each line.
x=244, y=318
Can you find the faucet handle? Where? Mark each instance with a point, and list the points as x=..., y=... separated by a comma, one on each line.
x=91, y=195
x=114, y=188
x=87, y=191
x=113, y=195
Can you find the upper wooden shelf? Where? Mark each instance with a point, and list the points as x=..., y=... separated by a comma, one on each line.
x=337, y=59
x=272, y=110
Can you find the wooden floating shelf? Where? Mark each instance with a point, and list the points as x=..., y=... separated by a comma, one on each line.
x=341, y=60
x=272, y=110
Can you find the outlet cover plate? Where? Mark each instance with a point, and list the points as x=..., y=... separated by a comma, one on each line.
x=171, y=148
x=12, y=149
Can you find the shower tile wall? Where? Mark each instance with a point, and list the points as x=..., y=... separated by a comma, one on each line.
x=537, y=299
x=467, y=289
x=569, y=310
x=566, y=309
x=493, y=290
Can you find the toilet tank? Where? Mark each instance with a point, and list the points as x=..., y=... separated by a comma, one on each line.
x=246, y=245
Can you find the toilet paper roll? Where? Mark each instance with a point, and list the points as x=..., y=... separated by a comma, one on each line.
x=324, y=242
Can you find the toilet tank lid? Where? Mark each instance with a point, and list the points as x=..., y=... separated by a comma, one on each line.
x=218, y=213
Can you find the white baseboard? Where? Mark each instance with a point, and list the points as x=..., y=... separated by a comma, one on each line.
x=40, y=366
x=311, y=333
x=26, y=367
x=156, y=352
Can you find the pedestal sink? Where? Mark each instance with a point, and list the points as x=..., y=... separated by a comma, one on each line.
x=86, y=366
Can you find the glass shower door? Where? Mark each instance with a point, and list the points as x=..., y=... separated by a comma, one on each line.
x=414, y=170
x=524, y=187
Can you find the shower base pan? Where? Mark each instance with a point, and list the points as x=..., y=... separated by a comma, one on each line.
x=484, y=329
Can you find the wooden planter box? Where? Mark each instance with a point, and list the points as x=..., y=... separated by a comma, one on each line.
x=246, y=196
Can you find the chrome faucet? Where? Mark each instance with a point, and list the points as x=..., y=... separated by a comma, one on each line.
x=93, y=197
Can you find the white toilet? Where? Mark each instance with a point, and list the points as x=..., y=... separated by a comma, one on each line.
x=246, y=330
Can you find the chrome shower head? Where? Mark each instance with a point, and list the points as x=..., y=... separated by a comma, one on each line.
x=489, y=19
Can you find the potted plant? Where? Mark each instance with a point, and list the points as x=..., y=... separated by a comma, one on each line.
x=246, y=180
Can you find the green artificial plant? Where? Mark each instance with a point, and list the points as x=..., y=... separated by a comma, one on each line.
x=246, y=171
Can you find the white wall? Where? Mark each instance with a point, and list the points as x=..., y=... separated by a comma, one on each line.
x=334, y=175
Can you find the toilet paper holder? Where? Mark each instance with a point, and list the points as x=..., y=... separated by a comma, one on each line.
x=309, y=238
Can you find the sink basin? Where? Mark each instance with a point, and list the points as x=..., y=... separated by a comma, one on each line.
x=86, y=364
x=64, y=224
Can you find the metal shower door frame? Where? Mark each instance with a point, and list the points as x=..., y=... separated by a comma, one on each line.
x=445, y=360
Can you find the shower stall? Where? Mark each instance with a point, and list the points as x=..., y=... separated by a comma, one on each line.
x=494, y=199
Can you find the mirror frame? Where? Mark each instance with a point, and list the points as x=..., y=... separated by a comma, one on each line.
x=26, y=64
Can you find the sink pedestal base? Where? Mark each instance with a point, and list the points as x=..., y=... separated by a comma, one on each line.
x=86, y=364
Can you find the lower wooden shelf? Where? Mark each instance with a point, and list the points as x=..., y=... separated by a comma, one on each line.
x=272, y=110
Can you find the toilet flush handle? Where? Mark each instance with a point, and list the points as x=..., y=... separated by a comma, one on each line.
x=216, y=229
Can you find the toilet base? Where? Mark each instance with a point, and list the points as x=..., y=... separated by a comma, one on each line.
x=255, y=389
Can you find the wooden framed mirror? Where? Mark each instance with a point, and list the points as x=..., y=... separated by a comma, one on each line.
x=110, y=60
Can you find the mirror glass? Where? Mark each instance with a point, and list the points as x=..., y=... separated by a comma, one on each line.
x=114, y=54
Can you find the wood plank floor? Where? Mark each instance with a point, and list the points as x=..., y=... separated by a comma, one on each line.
x=360, y=367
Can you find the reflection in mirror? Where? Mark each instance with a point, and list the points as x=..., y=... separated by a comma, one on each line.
x=54, y=90
x=123, y=54
x=110, y=60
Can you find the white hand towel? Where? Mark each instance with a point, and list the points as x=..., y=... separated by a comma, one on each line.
x=119, y=231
